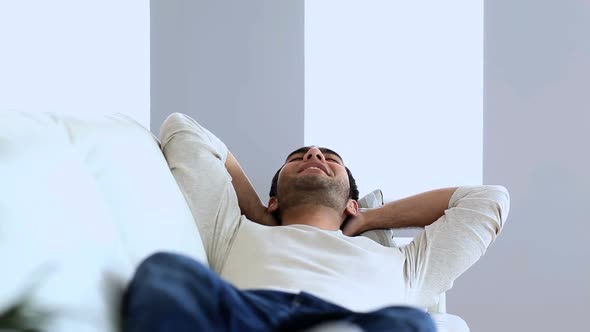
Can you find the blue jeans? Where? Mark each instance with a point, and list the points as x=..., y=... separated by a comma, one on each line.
x=171, y=292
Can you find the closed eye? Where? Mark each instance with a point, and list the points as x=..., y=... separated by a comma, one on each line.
x=333, y=160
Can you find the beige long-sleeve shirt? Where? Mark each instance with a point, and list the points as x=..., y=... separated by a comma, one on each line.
x=353, y=272
x=360, y=274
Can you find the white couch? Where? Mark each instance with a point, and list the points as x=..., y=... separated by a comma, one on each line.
x=82, y=201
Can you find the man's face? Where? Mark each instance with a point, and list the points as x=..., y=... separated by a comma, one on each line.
x=313, y=175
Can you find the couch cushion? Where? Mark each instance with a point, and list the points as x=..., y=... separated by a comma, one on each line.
x=82, y=201
x=449, y=323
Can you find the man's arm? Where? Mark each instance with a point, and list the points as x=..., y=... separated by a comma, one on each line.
x=460, y=223
x=248, y=200
x=448, y=247
x=415, y=211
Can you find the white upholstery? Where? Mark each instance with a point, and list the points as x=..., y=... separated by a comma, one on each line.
x=450, y=323
x=82, y=201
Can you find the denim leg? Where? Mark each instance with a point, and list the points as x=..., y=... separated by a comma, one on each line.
x=310, y=311
x=171, y=292
x=398, y=319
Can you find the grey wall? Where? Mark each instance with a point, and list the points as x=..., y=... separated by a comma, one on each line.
x=536, y=277
x=237, y=67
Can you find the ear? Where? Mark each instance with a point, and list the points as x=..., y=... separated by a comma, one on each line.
x=273, y=205
x=352, y=207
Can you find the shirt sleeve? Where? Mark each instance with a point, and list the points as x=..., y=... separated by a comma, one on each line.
x=196, y=158
x=453, y=243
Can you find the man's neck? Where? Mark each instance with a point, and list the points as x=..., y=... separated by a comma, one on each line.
x=318, y=216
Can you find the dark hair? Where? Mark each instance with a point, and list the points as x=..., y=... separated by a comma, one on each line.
x=352, y=193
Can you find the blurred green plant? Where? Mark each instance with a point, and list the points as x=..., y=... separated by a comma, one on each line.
x=22, y=317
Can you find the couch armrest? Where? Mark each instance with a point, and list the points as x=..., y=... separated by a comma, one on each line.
x=449, y=323
x=440, y=307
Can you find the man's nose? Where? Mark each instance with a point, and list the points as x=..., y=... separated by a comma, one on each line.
x=314, y=153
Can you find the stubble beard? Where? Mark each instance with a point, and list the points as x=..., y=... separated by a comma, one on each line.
x=313, y=190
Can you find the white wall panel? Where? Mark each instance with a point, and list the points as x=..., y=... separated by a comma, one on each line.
x=85, y=57
x=397, y=89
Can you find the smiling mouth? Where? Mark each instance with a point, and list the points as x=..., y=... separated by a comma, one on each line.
x=314, y=168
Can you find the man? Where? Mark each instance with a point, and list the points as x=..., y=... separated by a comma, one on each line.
x=297, y=263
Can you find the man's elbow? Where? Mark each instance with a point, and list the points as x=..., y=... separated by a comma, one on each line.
x=500, y=195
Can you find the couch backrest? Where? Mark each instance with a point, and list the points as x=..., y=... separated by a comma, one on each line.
x=82, y=201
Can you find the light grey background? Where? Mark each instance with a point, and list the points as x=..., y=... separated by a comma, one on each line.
x=536, y=277
x=237, y=68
